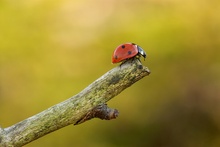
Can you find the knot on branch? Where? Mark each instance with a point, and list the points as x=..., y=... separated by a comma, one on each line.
x=100, y=111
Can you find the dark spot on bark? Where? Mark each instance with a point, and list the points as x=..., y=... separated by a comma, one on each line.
x=140, y=66
x=114, y=80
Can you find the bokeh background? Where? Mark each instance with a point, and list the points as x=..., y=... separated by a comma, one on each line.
x=51, y=50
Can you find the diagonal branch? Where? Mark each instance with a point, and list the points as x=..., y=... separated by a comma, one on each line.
x=74, y=109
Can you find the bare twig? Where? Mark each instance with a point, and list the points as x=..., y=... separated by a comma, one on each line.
x=87, y=104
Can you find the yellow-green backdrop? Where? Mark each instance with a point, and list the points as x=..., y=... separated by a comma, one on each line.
x=51, y=50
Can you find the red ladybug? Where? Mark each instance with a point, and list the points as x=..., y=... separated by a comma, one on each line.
x=127, y=51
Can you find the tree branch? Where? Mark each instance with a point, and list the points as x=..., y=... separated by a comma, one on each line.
x=87, y=104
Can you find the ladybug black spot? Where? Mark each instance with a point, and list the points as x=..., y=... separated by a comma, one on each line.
x=129, y=52
x=123, y=46
x=116, y=57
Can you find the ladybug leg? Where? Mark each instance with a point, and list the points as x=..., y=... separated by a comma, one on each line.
x=131, y=60
x=138, y=57
x=122, y=63
x=134, y=58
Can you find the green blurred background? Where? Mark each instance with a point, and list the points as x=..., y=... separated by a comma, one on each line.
x=51, y=50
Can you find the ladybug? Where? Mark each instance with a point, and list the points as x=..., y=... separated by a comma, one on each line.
x=126, y=51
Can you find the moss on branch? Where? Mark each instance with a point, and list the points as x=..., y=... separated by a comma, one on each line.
x=74, y=109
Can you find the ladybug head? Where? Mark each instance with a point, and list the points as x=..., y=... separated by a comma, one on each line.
x=141, y=51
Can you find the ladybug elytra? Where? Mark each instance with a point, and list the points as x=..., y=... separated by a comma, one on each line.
x=127, y=51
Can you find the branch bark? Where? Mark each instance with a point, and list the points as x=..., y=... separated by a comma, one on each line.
x=76, y=108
